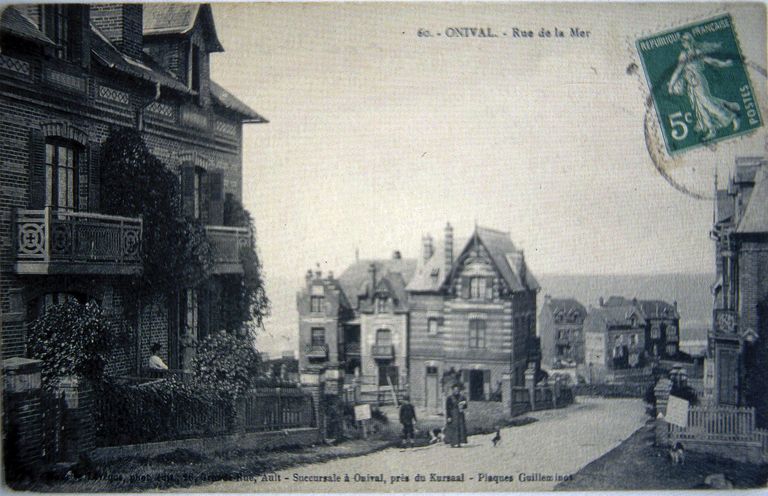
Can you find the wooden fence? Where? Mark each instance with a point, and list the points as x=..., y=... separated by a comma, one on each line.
x=721, y=429
x=134, y=414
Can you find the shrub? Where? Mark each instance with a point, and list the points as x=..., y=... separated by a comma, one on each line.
x=71, y=339
x=226, y=361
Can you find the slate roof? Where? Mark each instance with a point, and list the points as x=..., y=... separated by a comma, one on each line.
x=179, y=18
x=567, y=306
x=755, y=218
x=14, y=22
x=231, y=102
x=108, y=55
x=651, y=309
x=422, y=279
x=504, y=254
x=614, y=316
x=355, y=280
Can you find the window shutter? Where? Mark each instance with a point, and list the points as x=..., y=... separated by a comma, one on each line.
x=216, y=198
x=83, y=172
x=94, y=177
x=205, y=198
x=465, y=287
x=36, y=169
x=188, y=190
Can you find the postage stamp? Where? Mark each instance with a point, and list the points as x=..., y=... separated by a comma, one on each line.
x=700, y=87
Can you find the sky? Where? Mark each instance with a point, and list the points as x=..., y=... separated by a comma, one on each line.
x=377, y=136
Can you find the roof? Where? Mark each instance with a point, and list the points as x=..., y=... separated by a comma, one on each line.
x=658, y=309
x=355, y=280
x=724, y=206
x=651, y=309
x=615, y=316
x=230, y=102
x=509, y=260
x=179, y=18
x=393, y=284
x=746, y=169
x=755, y=218
x=568, y=306
x=14, y=22
x=146, y=68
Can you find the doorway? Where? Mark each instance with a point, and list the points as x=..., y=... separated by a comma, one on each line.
x=432, y=399
x=476, y=385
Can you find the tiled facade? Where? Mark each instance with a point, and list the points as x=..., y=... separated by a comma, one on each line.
x=110, y=73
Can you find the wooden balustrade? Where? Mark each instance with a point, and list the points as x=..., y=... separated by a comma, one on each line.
x=51, y=241
x=226, y=243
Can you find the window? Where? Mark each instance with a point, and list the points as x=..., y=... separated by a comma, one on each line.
x=655, y=332
x=191, y=315
x=671, y=349
x=633, y=339
x=316, y=303
x=431, y=370
x=193, y=68
x=433, y=326
x=318, y=336
x=383, y=337
x=49, y=300
x=61, y=175
x=477, y=333
x=477, y=288
x=381, y=304
x=672, y=333
x=57, y=25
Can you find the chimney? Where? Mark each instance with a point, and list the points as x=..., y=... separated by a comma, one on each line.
x=308, y=277
x=448, y=248
x=396, y=255
x=122, y=24
x=522, y=270
x=427, y=248
x=674, y=304
x=602, y=302
x=330, y=275
x=547, y=299
x=372, y=272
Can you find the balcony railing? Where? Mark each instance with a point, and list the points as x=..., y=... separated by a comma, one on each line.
x=316, y=351
x=226, y=243
x=352, y=348
x=726, y=323
x=383, y=351
x=51, y=241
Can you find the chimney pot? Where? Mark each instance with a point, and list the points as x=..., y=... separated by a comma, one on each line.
x=448, y=248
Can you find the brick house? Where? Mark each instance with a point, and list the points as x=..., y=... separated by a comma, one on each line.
x=662, y=334
x=738, y=348
x=561, y=330
x=614, y=342
x=358, y=321
x=472, y=313
x=69, y=74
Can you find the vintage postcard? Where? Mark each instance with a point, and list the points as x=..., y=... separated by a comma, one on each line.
x=389, y=247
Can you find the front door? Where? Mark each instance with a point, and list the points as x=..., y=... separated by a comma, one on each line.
x=432, y=389
x=476, y=388
x=727, y=376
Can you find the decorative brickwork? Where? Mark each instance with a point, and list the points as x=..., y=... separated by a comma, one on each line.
x=16, y=66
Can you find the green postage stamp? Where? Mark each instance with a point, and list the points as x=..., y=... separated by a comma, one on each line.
x=699, y=84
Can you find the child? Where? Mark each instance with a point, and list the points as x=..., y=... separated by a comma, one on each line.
x=408, y=419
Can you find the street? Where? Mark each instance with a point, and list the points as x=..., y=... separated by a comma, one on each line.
x=533, y=457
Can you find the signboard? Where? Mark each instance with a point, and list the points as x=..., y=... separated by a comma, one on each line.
x=677, y=411
x=362, y=412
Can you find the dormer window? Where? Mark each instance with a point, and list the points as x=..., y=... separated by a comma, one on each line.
x=381, y=304
x=57, y=24
x=477, y=288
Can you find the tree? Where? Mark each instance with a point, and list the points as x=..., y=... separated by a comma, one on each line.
x=227, y=362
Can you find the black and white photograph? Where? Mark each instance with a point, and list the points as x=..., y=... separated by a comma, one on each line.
x=383, y=247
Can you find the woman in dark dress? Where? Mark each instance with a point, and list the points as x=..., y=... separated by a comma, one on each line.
x=455, y=427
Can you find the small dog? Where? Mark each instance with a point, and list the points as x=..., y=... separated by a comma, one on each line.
x=677, y=454
x=436, y=436
x=497, y=438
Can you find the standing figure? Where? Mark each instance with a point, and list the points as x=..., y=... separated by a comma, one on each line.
x=712, y=113
x=455, y=425
x=408, y=419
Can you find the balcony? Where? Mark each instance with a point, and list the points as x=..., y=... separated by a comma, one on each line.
x=226, y=243
x=383, y=351
x=53, y=241
x=352, y=348
x=726, y=323
x=316, y=351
